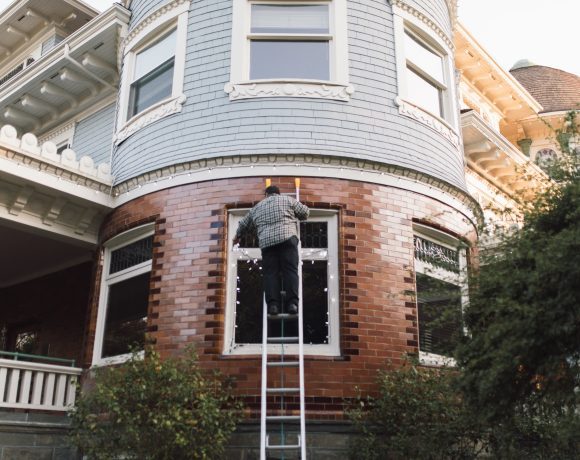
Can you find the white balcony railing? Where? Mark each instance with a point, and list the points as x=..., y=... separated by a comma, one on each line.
x=38, y=386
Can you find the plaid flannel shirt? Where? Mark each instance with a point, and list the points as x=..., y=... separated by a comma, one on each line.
x=274, y=219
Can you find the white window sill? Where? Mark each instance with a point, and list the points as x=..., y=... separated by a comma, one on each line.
x=289, y=88
x=256, y=349
x=150, y=115
x=433, y=360
x=434, y=122
x=113, y=360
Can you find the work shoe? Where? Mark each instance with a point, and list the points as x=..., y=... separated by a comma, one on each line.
x=293, y=309
x=273, y=309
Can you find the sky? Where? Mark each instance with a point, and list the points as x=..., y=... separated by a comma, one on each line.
x=544, y=32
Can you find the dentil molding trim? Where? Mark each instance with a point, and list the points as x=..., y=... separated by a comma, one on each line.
x=401, y=4
x=159, y=13
x=286, y=89
x=409, y=110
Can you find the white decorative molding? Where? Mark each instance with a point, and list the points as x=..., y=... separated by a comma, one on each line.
x=63, y=130
x=26, y=151
x=409, y=110
x=401, y=4
x=285, y=89
x=159, y=14
x=304, y=165
x=150, y=115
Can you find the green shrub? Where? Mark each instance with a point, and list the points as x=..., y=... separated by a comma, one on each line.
x=154, y=409
x=418, y=415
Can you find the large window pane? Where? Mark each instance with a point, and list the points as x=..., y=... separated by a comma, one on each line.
x=424, y=58
x=439, y=308
x=289, y=59
x=152, y=57
x=249, y=302
x=126, y=318
x=152, y=88
x=423, y=93
x=291, y=19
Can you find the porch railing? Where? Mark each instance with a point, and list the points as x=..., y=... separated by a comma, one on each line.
x=39, y=386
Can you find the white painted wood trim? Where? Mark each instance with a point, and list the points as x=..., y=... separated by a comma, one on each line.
x=434, y=38
x=241, y=87
x=175, y=14
x=330, y=349
x=116, y=242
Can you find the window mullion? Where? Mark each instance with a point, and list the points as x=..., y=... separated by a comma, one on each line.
x=291, y=37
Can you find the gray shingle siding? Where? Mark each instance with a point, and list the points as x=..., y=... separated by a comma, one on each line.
x=93, y=135
x=369, y=126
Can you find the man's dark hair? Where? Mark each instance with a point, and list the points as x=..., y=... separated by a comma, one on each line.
x=272, y=190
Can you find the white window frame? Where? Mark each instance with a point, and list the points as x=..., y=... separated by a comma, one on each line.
x=107, y=280
x=332, y=348
x=147, y=32
x=404, y=21
x=240, y=85
x=458, y=279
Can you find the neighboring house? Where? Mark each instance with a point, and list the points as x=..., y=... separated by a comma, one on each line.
x=132, y=142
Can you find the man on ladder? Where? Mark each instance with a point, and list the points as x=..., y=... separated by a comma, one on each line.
x=275, y=221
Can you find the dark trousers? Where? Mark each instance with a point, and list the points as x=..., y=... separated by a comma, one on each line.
x=280, y=272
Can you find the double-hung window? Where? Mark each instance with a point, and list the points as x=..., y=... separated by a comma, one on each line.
x=424, y=74
x=441, y=285
x=290, y=41
x=153, y=73
x=289, y=48
x=124, y=296
x=153, y=69
x=319, y=242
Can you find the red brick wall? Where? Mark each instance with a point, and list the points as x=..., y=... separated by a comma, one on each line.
x=57, y=304
x=378, y=319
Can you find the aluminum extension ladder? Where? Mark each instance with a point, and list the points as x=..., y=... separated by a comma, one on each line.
x=281, y=447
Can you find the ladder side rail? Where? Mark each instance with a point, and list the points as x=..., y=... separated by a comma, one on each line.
x=264, y=407
x=301, y=350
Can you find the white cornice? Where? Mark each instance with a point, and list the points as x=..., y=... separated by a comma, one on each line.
x=298, y=166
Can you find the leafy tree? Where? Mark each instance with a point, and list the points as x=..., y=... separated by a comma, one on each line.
x=154, y=409
x=523, y=352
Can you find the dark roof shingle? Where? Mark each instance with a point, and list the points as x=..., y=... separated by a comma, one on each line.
x=555, y=89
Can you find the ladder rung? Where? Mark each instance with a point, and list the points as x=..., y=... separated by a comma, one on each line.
x=284, y=316
x=282, y=418
x=283, y=390
x=282, y=339
x=287, y=447
x=283, y=363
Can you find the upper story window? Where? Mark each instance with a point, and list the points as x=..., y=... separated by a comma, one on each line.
x=440, y=273
x=124, y=296
x=290, y=41
x=153, y=74
x=153, y=69
x=319, y=247
x=289, y=48
x=425, y=73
